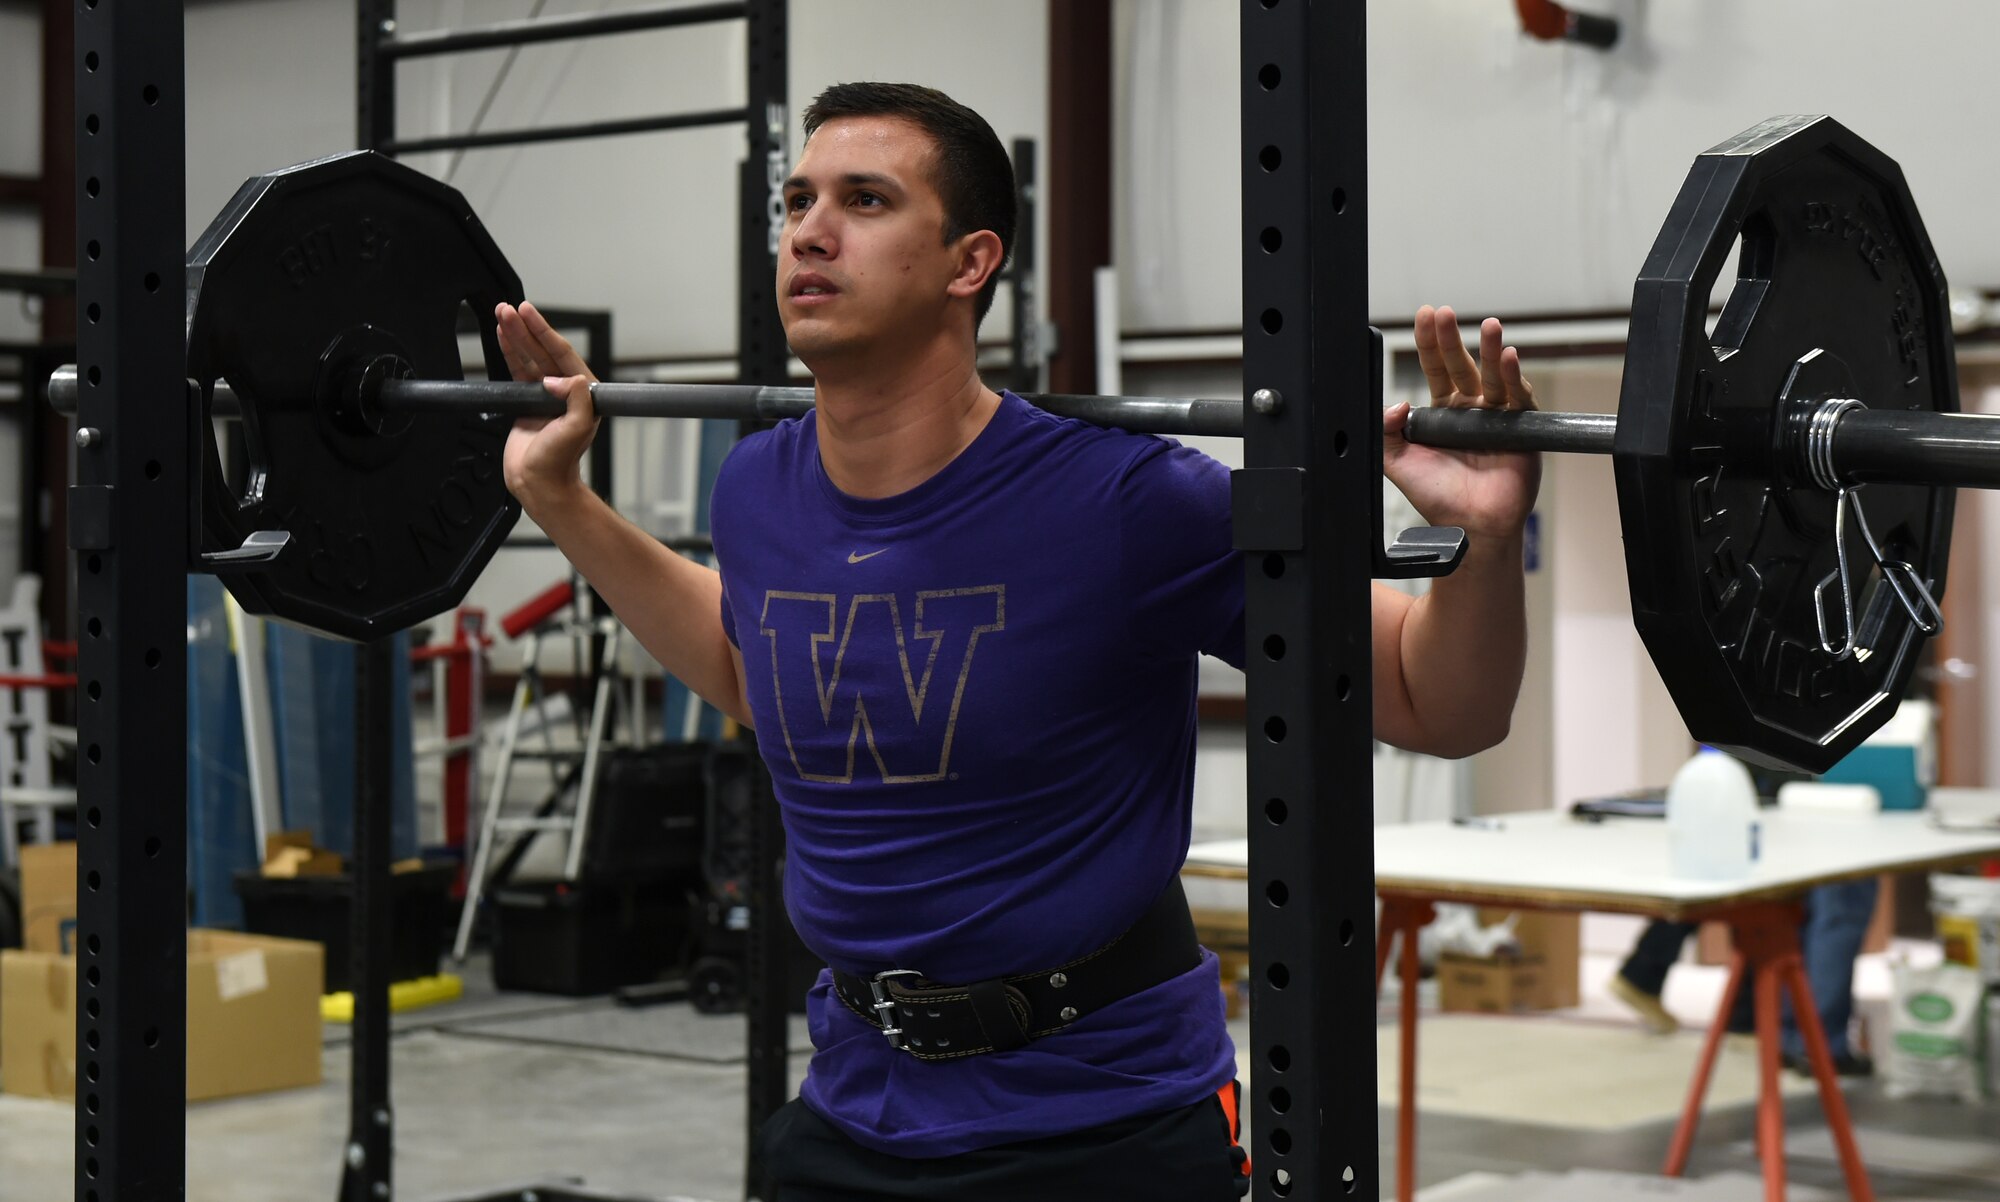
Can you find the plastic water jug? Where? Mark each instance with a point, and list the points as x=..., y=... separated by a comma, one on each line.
x=1712, y=827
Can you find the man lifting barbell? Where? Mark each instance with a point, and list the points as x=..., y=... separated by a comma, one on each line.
x=966, y=632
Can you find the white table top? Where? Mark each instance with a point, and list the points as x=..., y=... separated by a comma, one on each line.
x=1551, y=860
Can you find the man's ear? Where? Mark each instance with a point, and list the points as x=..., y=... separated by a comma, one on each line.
x=979, y=256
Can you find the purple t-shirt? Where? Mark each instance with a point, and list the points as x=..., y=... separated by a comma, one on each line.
x=977, y=703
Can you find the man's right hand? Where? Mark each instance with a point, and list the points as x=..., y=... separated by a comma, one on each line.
x=544, y=455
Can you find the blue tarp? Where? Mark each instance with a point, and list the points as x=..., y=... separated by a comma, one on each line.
x=220, y=833
x=312, y=701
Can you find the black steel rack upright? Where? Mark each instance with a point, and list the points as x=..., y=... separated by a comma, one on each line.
x=763, y=357
x=129, y=526
x=1311, y=550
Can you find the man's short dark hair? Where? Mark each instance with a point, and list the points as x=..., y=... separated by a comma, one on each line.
x=972, y=173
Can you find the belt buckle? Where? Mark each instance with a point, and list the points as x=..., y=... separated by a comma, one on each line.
x=885, y=1006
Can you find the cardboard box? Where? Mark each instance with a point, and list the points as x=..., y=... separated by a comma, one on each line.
x=1493, y=984
x=292, y=854
x=1556, y=940
x=252, y=1017
x=48, y=897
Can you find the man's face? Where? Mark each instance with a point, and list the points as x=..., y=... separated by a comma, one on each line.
x=863, y=266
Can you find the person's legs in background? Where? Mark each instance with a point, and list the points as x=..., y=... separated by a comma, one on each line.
x=1836, y=923
x=1640, y=979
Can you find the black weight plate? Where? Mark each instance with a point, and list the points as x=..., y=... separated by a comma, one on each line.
x=1726, y=538
x=306, y=273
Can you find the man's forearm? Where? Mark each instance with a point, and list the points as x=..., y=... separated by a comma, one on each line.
x=671, y=604
x=1464, y=646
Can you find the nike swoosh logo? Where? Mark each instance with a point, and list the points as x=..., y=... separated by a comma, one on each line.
x=853, y=558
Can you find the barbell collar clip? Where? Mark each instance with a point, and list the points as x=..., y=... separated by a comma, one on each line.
x=1819, y=442
x=260, y=550
x=1423, y=551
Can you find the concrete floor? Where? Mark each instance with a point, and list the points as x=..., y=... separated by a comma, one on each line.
x=505, y=1090
x=490, y=1092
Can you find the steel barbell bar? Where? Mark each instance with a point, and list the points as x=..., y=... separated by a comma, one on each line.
x=1861, y=445
x=1146, y=415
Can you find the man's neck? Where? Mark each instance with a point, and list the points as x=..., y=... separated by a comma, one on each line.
x=884, y=431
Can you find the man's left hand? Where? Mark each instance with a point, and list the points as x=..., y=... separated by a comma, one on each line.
x=1488, y=493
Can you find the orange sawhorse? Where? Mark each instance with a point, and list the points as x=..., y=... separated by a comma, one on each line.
x=1766, y=935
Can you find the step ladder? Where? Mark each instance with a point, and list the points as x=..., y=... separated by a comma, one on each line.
x=496, y=824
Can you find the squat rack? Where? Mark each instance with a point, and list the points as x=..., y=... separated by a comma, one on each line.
x=1311, y=366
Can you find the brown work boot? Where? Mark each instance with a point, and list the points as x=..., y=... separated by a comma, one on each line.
x=1646, y=1005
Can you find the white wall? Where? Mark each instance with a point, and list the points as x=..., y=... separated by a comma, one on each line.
x=20, y=154
x=270, y=83
x=20, y=90
x=1516, y=176
x=1613, y=726
x=20, y=240
x=1177, y=211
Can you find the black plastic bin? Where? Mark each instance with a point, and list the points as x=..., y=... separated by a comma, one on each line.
x=646, y=821
x=318, y=908
x=581, y=939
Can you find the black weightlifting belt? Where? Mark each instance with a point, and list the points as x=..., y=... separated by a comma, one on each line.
x=944, y=1022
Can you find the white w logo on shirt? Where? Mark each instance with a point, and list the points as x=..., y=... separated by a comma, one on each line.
x=828, y=705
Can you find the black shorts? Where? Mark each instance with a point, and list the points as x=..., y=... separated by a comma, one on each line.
x=1186, y=1155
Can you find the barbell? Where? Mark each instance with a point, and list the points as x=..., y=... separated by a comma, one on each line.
x=1958, y=450
x=1784, y=478
x=372, y=399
